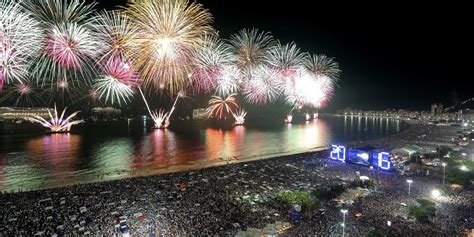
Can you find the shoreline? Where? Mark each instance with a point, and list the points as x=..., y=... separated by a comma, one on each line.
x=175, y=169
x=187, y=167
x=212, y=201
x=209, y=164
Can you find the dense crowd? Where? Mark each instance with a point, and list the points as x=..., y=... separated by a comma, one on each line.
x=418, y=134
x=223, y=200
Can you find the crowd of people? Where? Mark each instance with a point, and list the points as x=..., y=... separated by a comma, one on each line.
x=223, y=200
x=423, y=135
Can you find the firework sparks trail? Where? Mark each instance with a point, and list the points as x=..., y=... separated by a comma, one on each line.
x=160, y=118
x=239, y=117
x=57, y=123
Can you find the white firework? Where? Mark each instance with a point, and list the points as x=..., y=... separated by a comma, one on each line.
x=113, y=90
x=117, y=31
x=323, y=65
x=228, y=80
x=308, y=89
x=287, y=59
x=210, y=62
x=51, y=12
x=263, y=86
x=251, y=47
x=70, y=46
x=20, y=41
x=57, y=123
x=239, y=116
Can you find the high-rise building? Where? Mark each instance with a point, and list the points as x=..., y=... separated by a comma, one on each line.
x=434, y=108
x=440, y=109
x=437, y=109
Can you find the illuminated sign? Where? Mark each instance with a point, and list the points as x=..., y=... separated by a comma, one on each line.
x=364, y=156
x=384, y=161
x=338, y=153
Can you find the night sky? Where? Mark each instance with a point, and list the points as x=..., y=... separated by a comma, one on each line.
x=392, y=56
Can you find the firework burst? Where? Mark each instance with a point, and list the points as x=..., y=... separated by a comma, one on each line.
x=20, y=35
x=286, y=59
x=117, y=76
x=71, y=47
x=210, y=64
x=51, y=12
x=229, y=80
x=323, y=65
x=161, y=119
x=251, y=47
x=170, y=31
x=23, y=94
x=263, y=86
x=239, y=116
x=220, y=107
x=117, y=81
x=57, y=123
x=117, y=31
x=308, y=89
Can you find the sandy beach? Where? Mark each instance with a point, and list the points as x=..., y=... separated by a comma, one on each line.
x=216, y=200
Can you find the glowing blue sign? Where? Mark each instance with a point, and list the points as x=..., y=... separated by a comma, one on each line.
x=364, y=156
x=334, y=152
x=338, y=153
x=384, y=161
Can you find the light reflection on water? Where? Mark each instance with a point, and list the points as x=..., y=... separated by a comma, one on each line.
x=118, y=152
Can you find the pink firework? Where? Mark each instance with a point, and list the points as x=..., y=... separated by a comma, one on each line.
x=117, y=80
x=71, y=45
x=121, y=70
x=205, y=79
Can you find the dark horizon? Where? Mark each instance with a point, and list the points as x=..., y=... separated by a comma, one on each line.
x=392, y=57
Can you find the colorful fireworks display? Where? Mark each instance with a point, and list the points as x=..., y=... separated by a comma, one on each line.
x=57, y=123
x=66, y=50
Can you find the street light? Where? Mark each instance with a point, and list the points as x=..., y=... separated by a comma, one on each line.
x=444, y=171
x=344, y=211
x=409, y=181
x=435, y=193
